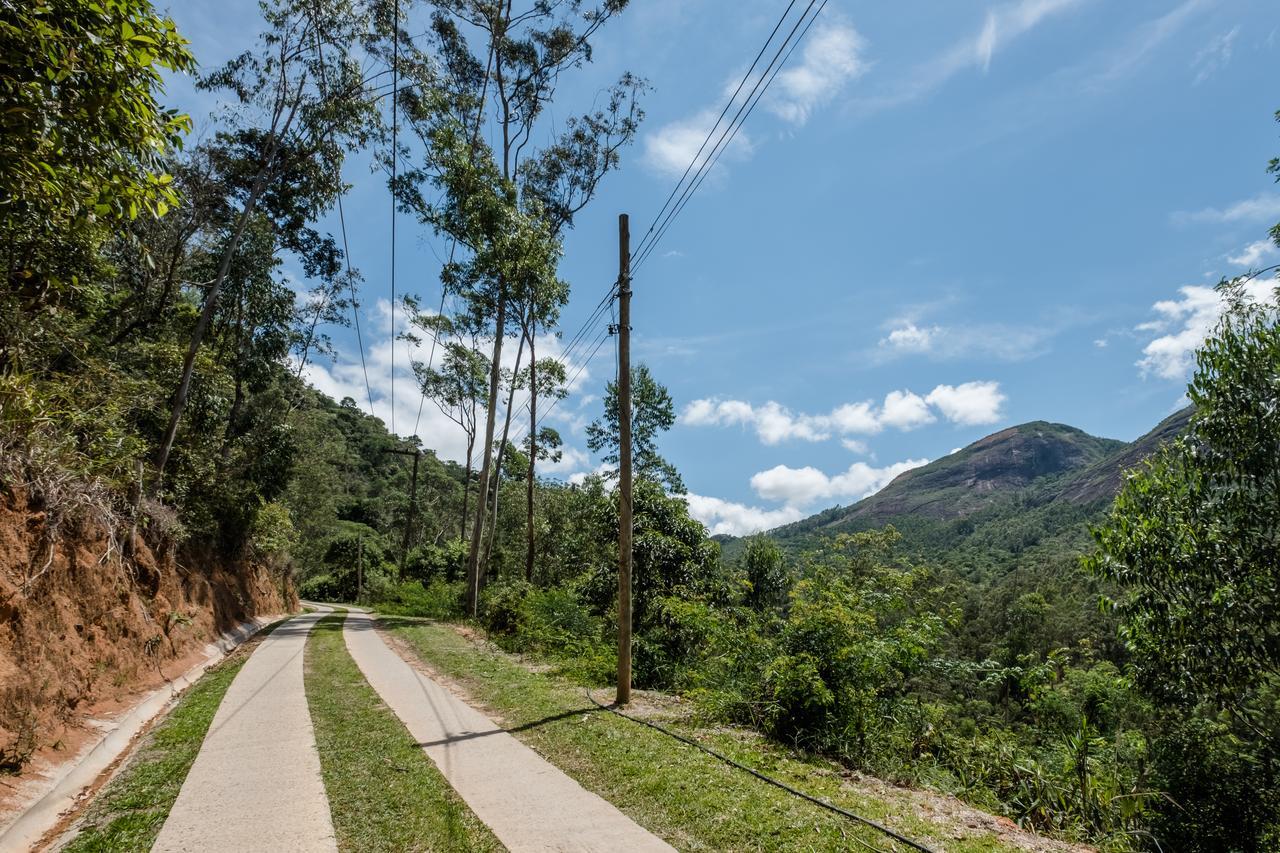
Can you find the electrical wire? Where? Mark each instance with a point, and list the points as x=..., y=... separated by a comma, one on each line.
x=395, y=157
x=342, y=222
x=577, y=373
x=915, y=845
x=762, y=84
x=711, y=132
x=744, y=112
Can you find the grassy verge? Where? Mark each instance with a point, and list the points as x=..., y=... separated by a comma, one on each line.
x=384, y=792
x=687, y=797
x=128, y=814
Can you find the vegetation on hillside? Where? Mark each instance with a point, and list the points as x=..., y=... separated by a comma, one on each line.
x=152, y=356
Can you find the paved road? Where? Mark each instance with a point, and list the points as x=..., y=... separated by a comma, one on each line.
x=256, y=785
x=529, y=804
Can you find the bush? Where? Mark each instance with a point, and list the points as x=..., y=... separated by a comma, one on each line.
x=553, y=622
x=439, y=599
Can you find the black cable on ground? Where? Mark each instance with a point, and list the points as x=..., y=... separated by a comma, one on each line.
x=818, y=801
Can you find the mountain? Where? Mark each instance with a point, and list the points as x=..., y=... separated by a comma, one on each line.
x=1032, y=487
x=1003, y=522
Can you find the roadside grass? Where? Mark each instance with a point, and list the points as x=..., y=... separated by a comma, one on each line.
x=129, y=812
x=384, y=792
x=690, y=799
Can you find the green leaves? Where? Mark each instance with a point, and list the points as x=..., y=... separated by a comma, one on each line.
x=1192, y=538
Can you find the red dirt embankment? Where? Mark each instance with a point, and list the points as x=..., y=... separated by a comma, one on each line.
x=107, y=619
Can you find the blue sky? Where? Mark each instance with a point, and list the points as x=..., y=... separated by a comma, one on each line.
x=947, y=218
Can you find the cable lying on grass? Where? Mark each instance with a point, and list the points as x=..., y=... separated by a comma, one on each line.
x=762, y=777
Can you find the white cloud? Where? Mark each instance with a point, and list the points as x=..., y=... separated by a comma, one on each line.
x=734, y=519
x=948, y=343
x=860, y=418
x=772, y=422
x=1253, y=253
x=966, y=404
x=345, y=377
x=671, y=148
x=796, y=489
x=905, y=410
x=832, y=57
x=1262, y=207
x=1001, y=27
x=1181, y=326
x=1009, y=22
x=910, y=338
x=854, y=446
x=1215, y=55
x=800, y=487
x=572, y=460
x=1139, y=47
x=969, y=404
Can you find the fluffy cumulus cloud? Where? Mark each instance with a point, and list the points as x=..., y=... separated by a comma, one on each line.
x=969, y=404
x=905, y=410
x=797, y=489
x=671, y=148
x=966, y=404
x=734, y=519
x=1182, y=324
x=832, y=57
x=802, y=487
x=911, y=338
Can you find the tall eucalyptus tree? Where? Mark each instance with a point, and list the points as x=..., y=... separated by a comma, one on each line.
x=505, y=200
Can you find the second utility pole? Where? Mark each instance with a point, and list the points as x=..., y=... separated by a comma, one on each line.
x=624, y=461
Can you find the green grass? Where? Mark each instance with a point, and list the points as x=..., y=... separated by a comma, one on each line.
x=130, y=811
x=681, y=794
x=384, y=792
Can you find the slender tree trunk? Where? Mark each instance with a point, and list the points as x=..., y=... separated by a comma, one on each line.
x=466, y=487
x=502, y=454
x=533, y=451
x=486, y=467
x=211, y=298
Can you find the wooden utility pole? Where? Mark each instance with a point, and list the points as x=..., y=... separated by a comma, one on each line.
x=624, y=460
x=359, y=567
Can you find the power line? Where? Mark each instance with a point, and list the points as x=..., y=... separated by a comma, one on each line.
x=712, y=131
x=589, y=323
x=342, y=222
x=748, y=106
x=744, y=112
x=578, y=372
x=395, y=157
x=818, y=801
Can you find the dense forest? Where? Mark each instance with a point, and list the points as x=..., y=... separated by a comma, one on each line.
x=1096, y=656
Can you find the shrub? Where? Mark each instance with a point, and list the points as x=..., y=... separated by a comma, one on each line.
x=439, y=599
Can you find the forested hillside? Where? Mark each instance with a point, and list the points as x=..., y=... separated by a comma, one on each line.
x=1077, y=633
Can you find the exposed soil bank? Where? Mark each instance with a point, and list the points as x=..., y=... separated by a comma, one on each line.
x=90, y=621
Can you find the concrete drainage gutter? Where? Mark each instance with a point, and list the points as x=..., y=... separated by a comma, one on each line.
x=50, y=798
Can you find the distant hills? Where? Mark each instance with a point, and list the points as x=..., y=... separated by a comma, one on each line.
x=1025, y=487
x=1004, y=522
